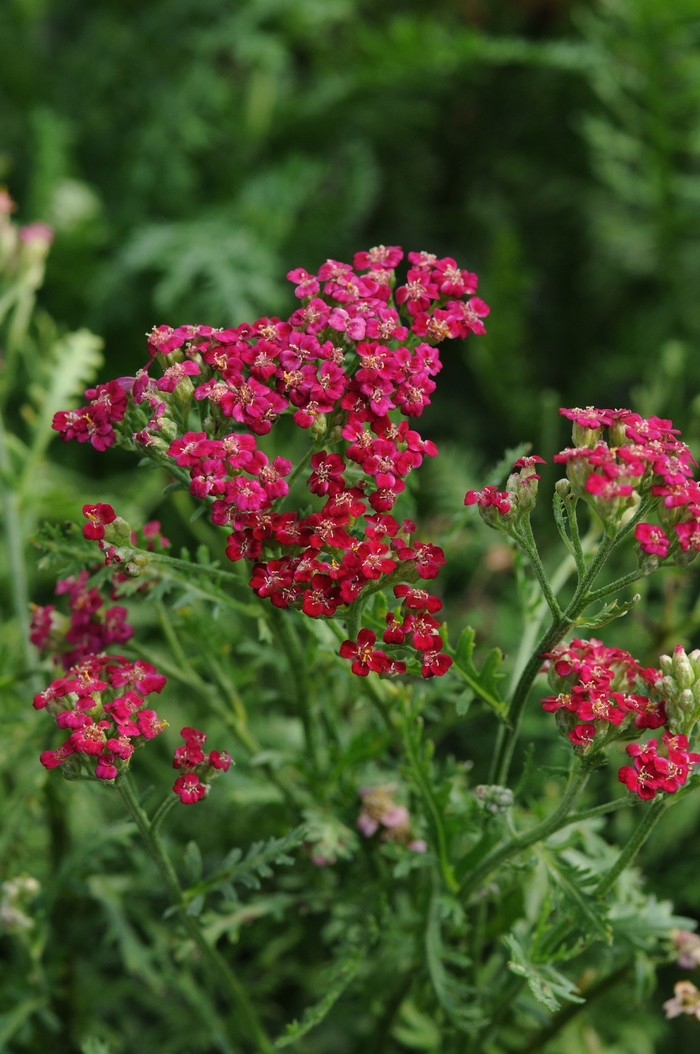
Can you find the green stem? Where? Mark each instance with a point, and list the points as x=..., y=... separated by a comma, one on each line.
x=216, y=961
x=14, y=537
x=529, y=544
x=162, y=811
x=432, y=807
x=614, y=587
x=557, y=631
x=353, y=619
x=639, y=836
x=296, y=661
x=559, y=818
x=601, y=810
x=301, y=466
x=571, y=504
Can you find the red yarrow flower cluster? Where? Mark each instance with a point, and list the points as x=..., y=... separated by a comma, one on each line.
x=91, y=628
x=651, y=771
x=95, y=422
x=601, y=693
x=101, y=702
x=349, y=364
x=198, y=768
x=641, y=457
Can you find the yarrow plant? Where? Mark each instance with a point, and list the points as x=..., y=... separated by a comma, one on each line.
x=295, y=438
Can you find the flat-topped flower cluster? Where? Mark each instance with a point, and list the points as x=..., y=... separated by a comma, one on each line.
x=642, y=459
x=358, y=354
x=101, y=701
x=603, y=694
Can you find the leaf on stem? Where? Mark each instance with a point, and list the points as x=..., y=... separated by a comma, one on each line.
x=578, y=888
x=483, y=682
x=548, y=985
x=255, y=865
x=338, y=978
x=608, y=613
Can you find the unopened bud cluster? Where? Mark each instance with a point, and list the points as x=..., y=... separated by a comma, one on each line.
x=681, y=689
x=15, y=895
x=504, y=509
x=494, y=799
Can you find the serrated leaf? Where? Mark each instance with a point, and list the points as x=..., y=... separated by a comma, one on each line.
x=483, y=682
x=504, y=467
x=548, y=985
x=608, y=613
x=339, y=977
x=578, y=887
x=256, y=863
x=451, y=994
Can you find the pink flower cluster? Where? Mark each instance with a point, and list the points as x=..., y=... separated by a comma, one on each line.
x=91, y=628
x=95, y=422
x=380, y=812
x=101, y=702
x=413, y=625
x=199, y=768
x=651, y=772
x=601, y=693
x=642, y=457
x=351, y=359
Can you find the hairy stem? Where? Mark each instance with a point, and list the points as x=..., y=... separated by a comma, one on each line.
x=216, y=962
x=556, y=632
x=639, y=836
x=530, y=546
x=559, y=818
x=296, y=661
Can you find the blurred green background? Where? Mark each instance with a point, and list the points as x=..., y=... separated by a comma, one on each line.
x=189, y=152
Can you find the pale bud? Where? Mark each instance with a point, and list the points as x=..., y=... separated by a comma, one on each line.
x=683, y=671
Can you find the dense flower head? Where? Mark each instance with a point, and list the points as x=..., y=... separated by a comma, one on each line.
x=641, y=458
x=101, y=703
x=602, y=693
x=199, y=768
x=354, y=365
x=91, y=627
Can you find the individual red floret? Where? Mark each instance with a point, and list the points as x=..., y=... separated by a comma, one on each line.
x=582, y=735
x=365, y=656
x=98, y=517
x=489, y=496
x=652, y=539
x=435, y=663
x=189, y=788
x=327, y=475
x=417, y=599
x=382, y=256
x=688, y=534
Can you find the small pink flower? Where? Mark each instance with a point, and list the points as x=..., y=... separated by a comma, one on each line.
x=98, y=516
x=652, y=539
x=189, y=788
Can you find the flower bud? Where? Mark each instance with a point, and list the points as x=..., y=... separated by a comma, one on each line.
x=118, y=532
x=495, y=799
x=563, y=488
x=319, y=428
x=582, y=436
x=682, y=670
x=649, y=564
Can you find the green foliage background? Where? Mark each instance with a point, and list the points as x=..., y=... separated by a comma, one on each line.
x=188, y=152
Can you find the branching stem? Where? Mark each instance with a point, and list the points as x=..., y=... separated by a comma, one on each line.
x=149, y=832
